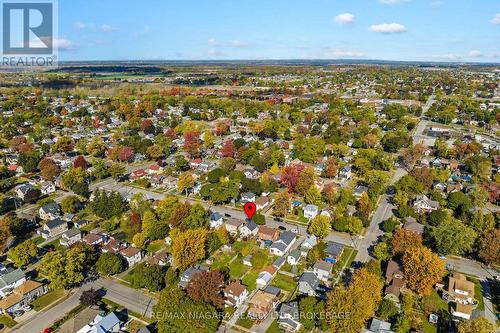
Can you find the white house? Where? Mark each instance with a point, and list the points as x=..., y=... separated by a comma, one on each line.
x=47, y=187
x=310, y=211
x=232, y=225
x=425, y=205
x=283, y=244
x=235, y=294
x=70, y=237
x=10, y=278
x=132, y=255
x=215, y=220
x=249, y=229
x=294, y=257
x=323, y=270
x=49, y=212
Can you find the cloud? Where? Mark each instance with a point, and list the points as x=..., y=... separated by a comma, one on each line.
x=344, y=18
x=388, y=28
x=437, y=3
x=107, y=28
x=215, y=53
x=496, y=19
x=448, y=56
x=213, y=42
x=60, y=44
x=475, y=53
x=342, y=53
x=239, y=43
x=83, y=26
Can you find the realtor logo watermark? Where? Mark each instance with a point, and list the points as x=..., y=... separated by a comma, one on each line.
x=29, y=33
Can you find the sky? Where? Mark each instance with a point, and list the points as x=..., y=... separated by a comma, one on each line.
x=408, y=30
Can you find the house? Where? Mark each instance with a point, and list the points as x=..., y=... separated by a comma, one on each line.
x=308, y=283
x=460, y=291
x=462, y=311
x=94, y=239
x=266, y=276
x=261, y=305
x=215, y=220
x=10, y=278
x=294, y=257
x=323, y=270
x=308, y=244
x=423, y=204
x=288, y=319
x=49, y=211
x=47, y=187
x=310, y=211
x=207, y=166
x=267, y=233
x=247, y=261
x=395, y=280
x=333, y=251
x=379, y=326
x=412, y=225
x=283, y=244
x=27, y=192
x=154, y=169
x=279, y=262
x=251, y=173
x=70, y=237
x=249, y=229
x=186, y=276
x=22, y=295
x=161, y=259
x=345, y=173
x=113, y=246
x=233, y=225
x=132, y=254
x=235, y=294
x=137, y=174
x=359, y=190
x=109, y=323
x=53, y=228
x=247, y=197
x=262, y=202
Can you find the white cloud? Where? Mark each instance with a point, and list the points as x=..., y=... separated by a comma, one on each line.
x=448, y=56
x=64, y=44
x=496, y=19
x=437, y=3
x=239, y=43
x=82, y=25
x=107, y=28
x=388, y=28
x=213, y=42
x=215, y=53
x=475, y=53
x=341, y=53
x=344, y=18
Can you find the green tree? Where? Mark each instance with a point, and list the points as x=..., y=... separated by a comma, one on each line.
x=109, y=264
x=64, y=269
x=320, y=226
x=186, y=181
x=313, y=196
x=477, y=325
x=116, y=170
x=382, y=251
x=387, y=309
x=70, y=204
x=24, y=253
x=453, y=237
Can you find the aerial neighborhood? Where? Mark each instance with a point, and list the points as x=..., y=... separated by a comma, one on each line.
x=376, y=190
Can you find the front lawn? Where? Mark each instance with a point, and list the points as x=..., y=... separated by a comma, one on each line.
x=47, y=299
x=245, y=322
x=284, y=282
x=7, y=321
x=237, y=269
x=250, y=277
x=273, y=328
x=478, y=293
x=155, y=246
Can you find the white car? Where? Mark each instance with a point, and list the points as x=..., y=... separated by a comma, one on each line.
x=27, y=307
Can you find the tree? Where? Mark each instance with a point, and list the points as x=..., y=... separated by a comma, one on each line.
x=320, y=226
x=390, y=224
x=313, y=196
x=459, y=202
x=281, y=204
x=387, y=309
x=365, y=207
x=359, y=301
x=188, y=247
x=80, y=162
x=489, y=247
x=24, y=253
x=186, y=181
x=48, y=168
x=63, y=144
x=181, y=314
x=192, y=143
x=152, y=228
x=96, y=147
x=305, y=181
x=215, y=175
x=290, y=175
x=139, y=239
x=70, y=204
x=90, y=297
x=453, y=237
x=382, y=251
x=438, y=216
x=403, y=240
x=109, y=264
x=206, y=286
x=4, y=233
x=197, y=218
x=148, y=276
x=64, y=269
x=74, y=176
x=99, y=168
x=312, y=308
x=28, y=160
x=227, y=149
x=477, y=325
x=223, y=192
x=422, y=269
x=116, y=170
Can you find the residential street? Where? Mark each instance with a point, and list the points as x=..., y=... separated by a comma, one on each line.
x=132, y=299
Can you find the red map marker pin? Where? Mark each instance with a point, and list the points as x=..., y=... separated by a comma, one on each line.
x=250, y=209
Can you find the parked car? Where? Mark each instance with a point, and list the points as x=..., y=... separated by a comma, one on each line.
x=227, y=215
x=282, y=228
x=27, y=307
x=18, y=313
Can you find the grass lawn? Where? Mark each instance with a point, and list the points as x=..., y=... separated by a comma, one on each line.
x=245, y=322
x=244, y=247
x=7, y=321
x=433, y=303
x=249, y=278
x=134, y=326
x=156, y=245
x=47, y=299
x=55, y=243
x=429, y=328
x=221, y=260
x=273, y=328
x=284, y=282
x=237, y=269
x=38, y=240
x=478, y=293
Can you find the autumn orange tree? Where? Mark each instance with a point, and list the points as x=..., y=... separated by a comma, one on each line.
x=489, y=246
x=403, y=240
x=205, y=286
x=347, y=309
x=422, y=269
x=188, y=247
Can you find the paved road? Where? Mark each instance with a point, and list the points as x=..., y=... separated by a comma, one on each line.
x=130, y=298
